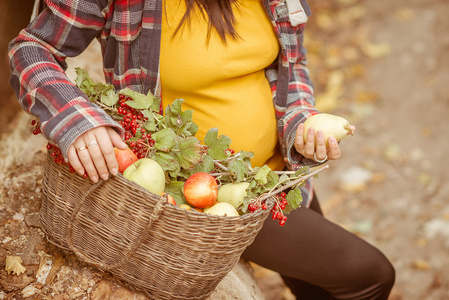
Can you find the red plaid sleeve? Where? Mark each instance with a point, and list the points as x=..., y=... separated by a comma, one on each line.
x=37, y=59
x=291, y=86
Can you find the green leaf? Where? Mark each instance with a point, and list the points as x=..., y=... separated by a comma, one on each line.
x=262, y=174
x=301, y=171
x=181, y=121
x=272, y=180
x=217, y=145
x=109, y=98
x=139, y=101
x=239, y=168
x=155, y=102
x=294, y=199
x=149, y=125
x=165, y=139
x=207, y=165
x=83, y=79
x=174, y=188
x=166, y=161
x=190, y=152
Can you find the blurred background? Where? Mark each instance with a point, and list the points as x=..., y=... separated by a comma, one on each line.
x=383, y=65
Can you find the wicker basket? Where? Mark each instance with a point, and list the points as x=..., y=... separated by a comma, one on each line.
x=117, y=226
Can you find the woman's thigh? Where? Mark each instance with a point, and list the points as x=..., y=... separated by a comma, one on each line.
x=312, y=249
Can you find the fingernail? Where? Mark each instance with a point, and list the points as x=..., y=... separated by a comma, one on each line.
x=66, y=160
x=320, y=134
x=81, y=172
x=94, y=179
x=104, y=176
x=331, y=140
x=114, y=171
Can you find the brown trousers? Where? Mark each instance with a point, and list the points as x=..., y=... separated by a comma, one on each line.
x=320, y=260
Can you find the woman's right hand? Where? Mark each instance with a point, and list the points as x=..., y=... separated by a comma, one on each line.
x=315, y=145
x=92, y=153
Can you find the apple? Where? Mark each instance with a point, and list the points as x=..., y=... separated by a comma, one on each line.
x=329, y=124
x=147, y=173
x=200, y=190
x=170, y=198
x=232, y=193
x=222, y=209
x=124, y=158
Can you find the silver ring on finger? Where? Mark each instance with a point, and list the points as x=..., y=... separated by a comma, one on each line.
x=317, y=160
x=93, y=143
x=81, y=148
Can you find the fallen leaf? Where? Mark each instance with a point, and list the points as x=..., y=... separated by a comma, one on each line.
x=425, y=178
x=378, y=177
x=355, y=179
x=426, y=131
x=362, y=227
x=420, y=264
x=421, y=242
x=404, y=14
x=324, y=20
x=14, y=265
x=376, y=50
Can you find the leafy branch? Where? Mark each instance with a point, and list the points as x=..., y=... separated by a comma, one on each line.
x=168, y=136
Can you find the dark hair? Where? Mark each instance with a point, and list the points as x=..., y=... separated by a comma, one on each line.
x=219, y=14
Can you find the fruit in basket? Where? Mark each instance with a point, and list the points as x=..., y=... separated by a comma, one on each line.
x=233, y=193
x=222, y=209
x=170, y=198
x=200, y=190
x=124, y=158
x=330, y=125
x=185, y=206
x=147, y=173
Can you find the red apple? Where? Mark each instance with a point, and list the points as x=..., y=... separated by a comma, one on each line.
x=170, y=198
x=200, y=190
x=124, y=158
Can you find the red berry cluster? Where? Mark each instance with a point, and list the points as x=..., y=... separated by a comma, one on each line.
x=137, y=138
x=276, y=211
x=54, y=150
x=37, y=127
x=231, y=151
x=56, y=153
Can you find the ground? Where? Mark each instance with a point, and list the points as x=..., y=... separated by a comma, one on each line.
x=384, y=66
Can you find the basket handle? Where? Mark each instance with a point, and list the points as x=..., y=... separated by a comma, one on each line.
x=101, y=265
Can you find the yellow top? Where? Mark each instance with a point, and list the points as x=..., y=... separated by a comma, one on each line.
x=224, y=84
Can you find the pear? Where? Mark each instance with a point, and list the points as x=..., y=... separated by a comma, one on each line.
x=330, y=125
x=232, y=193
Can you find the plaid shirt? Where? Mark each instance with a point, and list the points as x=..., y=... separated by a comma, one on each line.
x=129, y=33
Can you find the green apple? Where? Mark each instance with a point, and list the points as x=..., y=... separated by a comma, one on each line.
x=222, y=209
x=147, y=173
x=232, y=193
x=329, y=124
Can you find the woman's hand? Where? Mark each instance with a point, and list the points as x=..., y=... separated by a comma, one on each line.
x=319, y=153
x=93, y=153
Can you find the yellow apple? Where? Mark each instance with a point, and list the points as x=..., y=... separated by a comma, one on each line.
x=147, y=173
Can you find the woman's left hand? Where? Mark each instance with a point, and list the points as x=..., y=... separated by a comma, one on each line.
x=319, y=153
x=93, y=154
